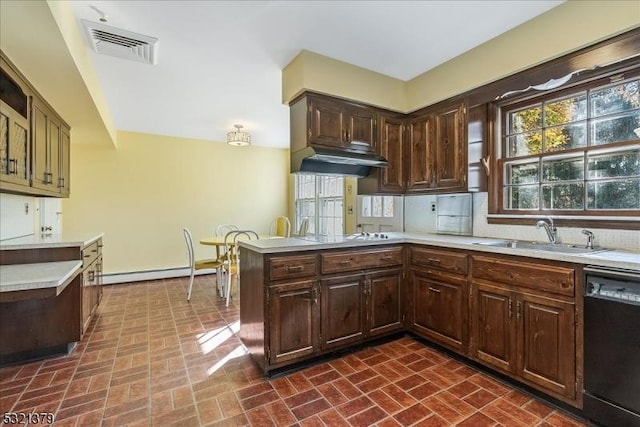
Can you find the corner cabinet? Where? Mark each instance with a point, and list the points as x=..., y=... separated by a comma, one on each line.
x=35, y=141
x=523, y=322
x=437, y=150
x=318, y=120
x=91, y=282
x=297, y=306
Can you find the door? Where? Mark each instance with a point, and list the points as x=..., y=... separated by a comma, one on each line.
x=492, y=333
x=50, y=215
x=384, y=302
x=420, y=156
x=361, y=129
x=438, y=308
x=546, y=341
x=294, y=317
x=343, y=311
x=450, y=148
x=391, y=147
x=379, y=213
x=327, y=123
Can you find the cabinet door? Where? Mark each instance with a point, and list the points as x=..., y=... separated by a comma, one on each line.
x=88, y=295
x=419, y=147
x=546, y=343
x=14, y=146
x=450, y=148
x=343, y=311
x=53, y=155
x=65, y=157
x=294, y=317
x=391, y=147
x=439, y=308
x=327, y=123
x=39, y=145
x=361, y=129
x=384, y=304
x=492, y=333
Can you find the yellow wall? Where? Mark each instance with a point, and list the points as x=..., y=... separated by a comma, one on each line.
x=142, y=195
x=565, y=28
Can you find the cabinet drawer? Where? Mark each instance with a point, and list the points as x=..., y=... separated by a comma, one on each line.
x=91, y=252
x=359, y=260
x=292, y=267
x=452, y=262
x=550, y=278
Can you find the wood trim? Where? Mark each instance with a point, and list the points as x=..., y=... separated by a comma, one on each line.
x=591, y=223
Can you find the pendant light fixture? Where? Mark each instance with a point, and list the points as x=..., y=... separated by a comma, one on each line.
x=238, y=137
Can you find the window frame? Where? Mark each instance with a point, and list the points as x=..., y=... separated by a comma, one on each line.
x=499, y=110
x=320, y=203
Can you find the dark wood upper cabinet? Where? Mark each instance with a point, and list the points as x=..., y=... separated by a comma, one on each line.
x=318, y=120
x=451, y=149
x=419, y=151
x=392, y=179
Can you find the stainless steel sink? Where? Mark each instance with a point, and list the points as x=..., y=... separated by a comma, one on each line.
x=538, y=246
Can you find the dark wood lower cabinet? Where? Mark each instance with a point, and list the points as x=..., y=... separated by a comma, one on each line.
x=385, y=308
x=294, y=320
x=492, y=332
x=439, y=308
x=343, y=311
x=546, y=341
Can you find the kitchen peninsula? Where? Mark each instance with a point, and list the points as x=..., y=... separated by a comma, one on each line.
x=48, y=293
x=497, y=306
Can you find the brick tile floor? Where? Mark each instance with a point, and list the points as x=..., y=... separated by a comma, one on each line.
x=150, y=358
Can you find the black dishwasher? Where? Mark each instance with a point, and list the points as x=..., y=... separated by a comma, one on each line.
x=612, y=346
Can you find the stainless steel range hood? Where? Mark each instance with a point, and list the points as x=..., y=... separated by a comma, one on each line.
x=335, y=162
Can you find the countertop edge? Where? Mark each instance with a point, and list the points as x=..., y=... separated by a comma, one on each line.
x=455, y=242
x=58, y=283
x=61, y=243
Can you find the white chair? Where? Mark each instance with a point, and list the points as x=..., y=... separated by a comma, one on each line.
x=222, y=231
x=281, y=227
x=194, y=264
x=304, y=227
x=232, y=264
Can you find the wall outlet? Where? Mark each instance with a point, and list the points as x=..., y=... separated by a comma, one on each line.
x=433, y=206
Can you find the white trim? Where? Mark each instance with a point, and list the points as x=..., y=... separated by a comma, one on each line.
x=592, y=218
x=136, y=276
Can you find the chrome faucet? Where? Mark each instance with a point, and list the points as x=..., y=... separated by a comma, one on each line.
x=590, y=238
x=552, y=231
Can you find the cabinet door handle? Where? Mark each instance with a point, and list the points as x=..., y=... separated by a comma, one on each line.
x=315, y=295
x=60, y=182
x=434, y=260
x=434, y=290
x=510, y=310
x=387, y=258
x=518, y=310
x=13, y=167
x=346, y=261
x=92, y=276
x=294, y=268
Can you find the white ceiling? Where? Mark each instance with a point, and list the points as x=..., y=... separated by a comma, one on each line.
x=220, y=62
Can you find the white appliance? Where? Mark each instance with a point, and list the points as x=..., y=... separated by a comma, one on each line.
x=453, y=214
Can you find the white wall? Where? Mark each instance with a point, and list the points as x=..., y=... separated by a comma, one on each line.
x=418, y=217
x=18, y=215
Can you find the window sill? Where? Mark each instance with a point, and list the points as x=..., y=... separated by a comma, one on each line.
x=613, y=222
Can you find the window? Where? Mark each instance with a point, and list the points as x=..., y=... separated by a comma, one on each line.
x=377, y=207
x=575, y=152
x=320, y=198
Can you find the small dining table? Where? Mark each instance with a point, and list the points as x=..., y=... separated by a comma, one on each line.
x=218, y=242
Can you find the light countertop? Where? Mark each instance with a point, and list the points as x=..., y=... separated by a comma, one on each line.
x=52, y=276
x=612, y=258
x=39, y=241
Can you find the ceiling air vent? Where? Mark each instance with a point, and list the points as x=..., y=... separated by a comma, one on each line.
x=107, y=40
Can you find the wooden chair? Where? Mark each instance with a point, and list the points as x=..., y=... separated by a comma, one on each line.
x=281, y=226
x=202, y=264
x=232, y=264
